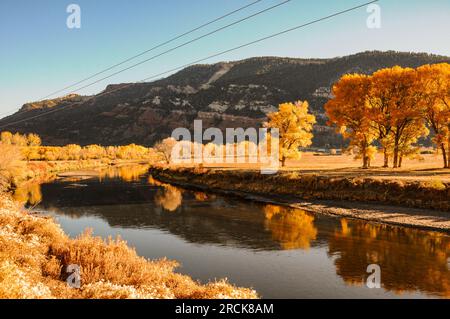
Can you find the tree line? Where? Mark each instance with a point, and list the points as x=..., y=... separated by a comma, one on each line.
x=29, y=146
x=294, y=124
x=392, y=109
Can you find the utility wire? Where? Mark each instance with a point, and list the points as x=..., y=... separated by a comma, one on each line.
x=147, y=51
x=182, y=45
x=154, y=48
x=203, y=59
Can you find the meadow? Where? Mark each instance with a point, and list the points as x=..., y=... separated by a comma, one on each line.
x=428, y=167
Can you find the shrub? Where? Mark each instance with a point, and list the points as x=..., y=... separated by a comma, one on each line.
x=35, y=254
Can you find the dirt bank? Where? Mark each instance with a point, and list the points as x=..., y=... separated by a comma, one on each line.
x=366, y=199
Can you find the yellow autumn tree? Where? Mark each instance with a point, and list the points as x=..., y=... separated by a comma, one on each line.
x=295, y=125
x=395, y=109
x=6, y=137
x=348, y=110
x=19, y=140
x=33, y=140
x=164, y=148
x=434, y=85
x=408, y=139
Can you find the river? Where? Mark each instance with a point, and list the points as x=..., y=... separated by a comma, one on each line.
x=280, y=252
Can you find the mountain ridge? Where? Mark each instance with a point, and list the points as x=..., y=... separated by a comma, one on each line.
x=224, y=94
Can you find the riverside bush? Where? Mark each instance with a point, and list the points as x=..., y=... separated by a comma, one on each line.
x=35, y=253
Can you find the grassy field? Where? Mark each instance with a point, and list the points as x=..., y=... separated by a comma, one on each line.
x=428, y=168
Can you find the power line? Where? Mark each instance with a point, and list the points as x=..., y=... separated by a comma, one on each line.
x=147, y=51
x=182, y=45
x=154, y=48
x=171, y=49
x=257, y=41
x=205, y=58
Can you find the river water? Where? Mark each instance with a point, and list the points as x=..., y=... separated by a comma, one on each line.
x=280, y=252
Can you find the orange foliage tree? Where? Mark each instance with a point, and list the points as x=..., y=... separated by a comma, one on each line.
x=435, y=92
x=394, y=106
x=31, y=149
x=349, y=111
x=395, y=110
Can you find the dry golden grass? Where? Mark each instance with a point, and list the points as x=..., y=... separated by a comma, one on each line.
x=428, y=168
x=35, y=253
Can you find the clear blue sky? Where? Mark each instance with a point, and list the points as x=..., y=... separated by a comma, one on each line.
x=39, y=54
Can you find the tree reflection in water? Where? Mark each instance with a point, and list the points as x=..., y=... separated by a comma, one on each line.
x=292, y=228
x=168, y=197
x=202, y=197
x=423, y=267
x=28, y=194
x=127, y=173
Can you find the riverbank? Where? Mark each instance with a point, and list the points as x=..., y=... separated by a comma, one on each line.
x=424, y=204
x=35, y=254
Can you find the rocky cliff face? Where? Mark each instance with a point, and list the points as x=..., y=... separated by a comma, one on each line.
x=227, y=94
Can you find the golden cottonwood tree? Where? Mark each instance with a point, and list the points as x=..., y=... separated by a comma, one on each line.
x=19, y=140
x=6, y=137
x=164, y=148
x=409, y=137
x=33, y=140
x=395, y=108
x=295, y=125
x=349, y=111
x=434, y=85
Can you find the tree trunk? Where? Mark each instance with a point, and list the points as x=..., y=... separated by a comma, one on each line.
x=365, y=162
x=386, y=158
x=283, y=161
x=444, y=155
x=448, y=148
x=396, y=153
x=400, y=160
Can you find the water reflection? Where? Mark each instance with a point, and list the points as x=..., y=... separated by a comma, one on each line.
x=411, y=260
x=28, y=194
x=127, y=173
x=169, y=198
x=292, y=228
x=202, y=197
